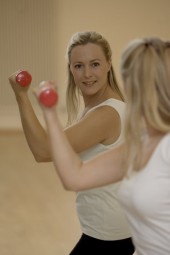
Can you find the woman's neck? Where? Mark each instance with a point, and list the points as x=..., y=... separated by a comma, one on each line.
x=98, y=98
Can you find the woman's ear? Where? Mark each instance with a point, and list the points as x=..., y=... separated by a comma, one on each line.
x=109, y=65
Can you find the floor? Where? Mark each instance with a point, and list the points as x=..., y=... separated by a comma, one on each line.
x=37, y=216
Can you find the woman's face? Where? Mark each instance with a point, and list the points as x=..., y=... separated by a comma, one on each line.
x=89, y=68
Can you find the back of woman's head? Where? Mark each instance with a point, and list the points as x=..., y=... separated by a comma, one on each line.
x=167, y=63
x=72, y=95
x=147, y=88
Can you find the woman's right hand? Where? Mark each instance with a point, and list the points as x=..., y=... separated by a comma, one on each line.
x=46, y=94
x=17, y=88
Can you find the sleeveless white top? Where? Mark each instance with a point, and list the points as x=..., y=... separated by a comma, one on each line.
x=99, y=211
x=145, y=196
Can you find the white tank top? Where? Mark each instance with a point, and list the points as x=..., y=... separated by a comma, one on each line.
x=145, y=196
x=99, y=211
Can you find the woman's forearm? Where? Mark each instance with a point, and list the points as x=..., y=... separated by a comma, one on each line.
x=65, y=159
x=35, y=134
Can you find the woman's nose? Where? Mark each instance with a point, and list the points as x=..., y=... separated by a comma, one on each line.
x=87, y=72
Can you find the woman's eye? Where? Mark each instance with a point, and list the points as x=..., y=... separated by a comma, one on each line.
x=95, y=64
x=77, y=66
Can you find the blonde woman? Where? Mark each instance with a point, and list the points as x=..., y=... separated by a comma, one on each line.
x=142, y=162
x=99, y=128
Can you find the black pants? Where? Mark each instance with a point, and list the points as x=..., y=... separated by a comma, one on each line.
x=91, y=246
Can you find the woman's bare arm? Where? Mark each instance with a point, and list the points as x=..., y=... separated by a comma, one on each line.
x=98, y=126
x=74, y=174
x=35, y=134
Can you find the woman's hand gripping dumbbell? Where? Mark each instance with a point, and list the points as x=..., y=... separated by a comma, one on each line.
x=46, y=93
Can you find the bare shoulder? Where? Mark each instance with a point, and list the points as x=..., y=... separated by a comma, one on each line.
x=108, y=121
x=104, y=112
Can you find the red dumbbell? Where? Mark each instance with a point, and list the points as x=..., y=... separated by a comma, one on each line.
x=48, y=97
x=23, y=78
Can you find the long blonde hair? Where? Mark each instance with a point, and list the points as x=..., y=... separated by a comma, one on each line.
x=147, y=88
x=72, y=92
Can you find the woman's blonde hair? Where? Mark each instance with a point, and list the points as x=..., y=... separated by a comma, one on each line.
x=145, y=71
x=72, y=92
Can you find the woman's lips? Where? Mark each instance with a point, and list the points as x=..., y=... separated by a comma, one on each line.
x=89, y=83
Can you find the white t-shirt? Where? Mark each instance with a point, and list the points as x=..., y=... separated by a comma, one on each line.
x=98, y=209
x=145, y=196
